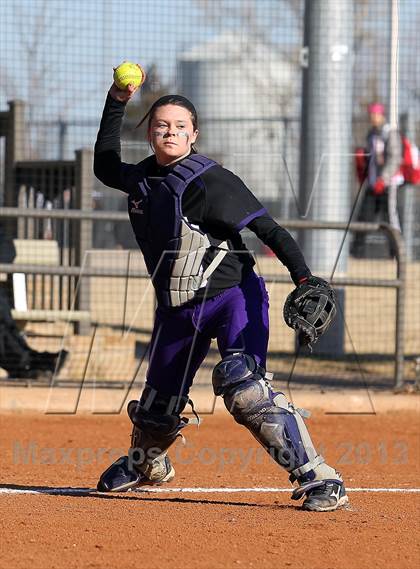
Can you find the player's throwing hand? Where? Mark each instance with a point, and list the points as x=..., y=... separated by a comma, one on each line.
x=128, y=77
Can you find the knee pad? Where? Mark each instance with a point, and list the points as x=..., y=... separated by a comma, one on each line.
x=156, y=425
x=234, y=370
x=271, y=419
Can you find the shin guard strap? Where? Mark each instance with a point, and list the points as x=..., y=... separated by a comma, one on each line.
x=305, y=468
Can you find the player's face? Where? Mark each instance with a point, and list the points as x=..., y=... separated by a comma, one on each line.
x=171, y=133
x=376, y=119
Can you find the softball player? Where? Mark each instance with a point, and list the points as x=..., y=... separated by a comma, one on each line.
x=187, y=213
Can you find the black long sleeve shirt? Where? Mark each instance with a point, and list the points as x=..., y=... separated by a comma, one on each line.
x=218, y=202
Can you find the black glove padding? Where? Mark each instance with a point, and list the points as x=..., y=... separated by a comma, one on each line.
x=310, y=309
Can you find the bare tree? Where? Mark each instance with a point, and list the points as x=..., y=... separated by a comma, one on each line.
x=38, y=81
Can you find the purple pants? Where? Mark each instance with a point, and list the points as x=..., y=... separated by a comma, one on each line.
x=237, y=318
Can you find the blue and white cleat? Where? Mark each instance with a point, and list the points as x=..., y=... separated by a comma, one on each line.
x=121, y=476
x=322, y=495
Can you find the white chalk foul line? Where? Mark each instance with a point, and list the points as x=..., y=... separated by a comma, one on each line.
x=197, y=490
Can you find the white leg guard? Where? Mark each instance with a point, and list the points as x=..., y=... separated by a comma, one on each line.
x=272, y=420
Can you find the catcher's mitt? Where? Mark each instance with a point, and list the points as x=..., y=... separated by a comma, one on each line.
x=310, y=309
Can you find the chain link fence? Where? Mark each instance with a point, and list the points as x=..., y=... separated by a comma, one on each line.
x=282, y=88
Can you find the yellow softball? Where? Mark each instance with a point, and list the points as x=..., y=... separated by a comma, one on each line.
x=128, y=74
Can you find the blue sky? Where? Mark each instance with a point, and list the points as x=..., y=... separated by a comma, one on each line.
x=59, y=55
x=68, y=70
x=84, y=39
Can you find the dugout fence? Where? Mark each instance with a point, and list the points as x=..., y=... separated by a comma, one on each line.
x=111, y=303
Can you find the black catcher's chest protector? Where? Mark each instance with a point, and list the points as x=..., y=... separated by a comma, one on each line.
x=173, y=248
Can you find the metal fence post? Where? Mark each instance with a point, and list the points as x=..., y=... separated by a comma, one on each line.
x=83, y=235
x=326, y=140
x=15, y=132
x=401, y=257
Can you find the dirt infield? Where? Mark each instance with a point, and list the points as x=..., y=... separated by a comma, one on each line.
x=205, y=529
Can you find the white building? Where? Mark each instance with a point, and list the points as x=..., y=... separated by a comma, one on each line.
x=246, y=94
